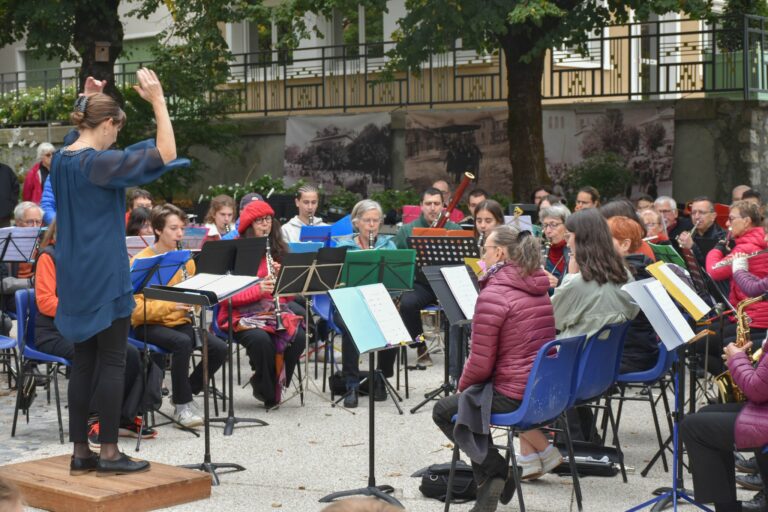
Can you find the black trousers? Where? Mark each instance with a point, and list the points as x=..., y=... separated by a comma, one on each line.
x=261, y=354
x=350, y=356
x=411, y=304
x=709, y=438
x=494, y=464
x=180, y=342
x=102, y=355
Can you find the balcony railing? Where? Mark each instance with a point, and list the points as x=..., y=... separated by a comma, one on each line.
x=654, y=60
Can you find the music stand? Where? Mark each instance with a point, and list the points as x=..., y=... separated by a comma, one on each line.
x=368, y=336
x=456, y=319
x=309, y=274
x=240, y=257
x=17, y=245
x=205, y=290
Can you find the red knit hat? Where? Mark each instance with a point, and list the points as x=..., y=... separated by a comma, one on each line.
x=254, y=210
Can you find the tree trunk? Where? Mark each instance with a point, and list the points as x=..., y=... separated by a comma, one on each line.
x=99, y=21
x=524, y=124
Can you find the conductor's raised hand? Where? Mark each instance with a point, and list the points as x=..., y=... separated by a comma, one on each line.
x=149, y=87
x=93, y=86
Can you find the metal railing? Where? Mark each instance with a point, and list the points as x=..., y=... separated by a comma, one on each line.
x=652, y=60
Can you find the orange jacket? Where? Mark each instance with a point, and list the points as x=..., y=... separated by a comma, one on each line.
x=161, y=312
x=45, y=285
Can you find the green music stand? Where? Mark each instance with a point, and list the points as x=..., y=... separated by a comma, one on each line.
x=667, y=254
x=395, y=268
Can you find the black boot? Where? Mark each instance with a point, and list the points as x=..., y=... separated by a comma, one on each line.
x=350, y=399
x=488, y=494
x=756, y=504
x=379, y=389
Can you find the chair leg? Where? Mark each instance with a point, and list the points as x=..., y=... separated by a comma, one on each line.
x=301, y=383
x=515, y=472
x=451, y=475
x=617, y=445
x=658, y=428
x=325, y=363
x=405, y=365
x=238, y=366
x=58, y=402
x=572, y=463
x=19, y=391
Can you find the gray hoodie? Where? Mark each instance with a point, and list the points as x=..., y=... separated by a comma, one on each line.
x=292, y=228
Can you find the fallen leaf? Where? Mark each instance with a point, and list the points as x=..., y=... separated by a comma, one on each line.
x=277, y=505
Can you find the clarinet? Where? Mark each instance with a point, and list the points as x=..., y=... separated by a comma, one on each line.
x=271, y=275
x=480, y=242
x=227, y=228
x=371, y=240
x=191, y=314
x=311, y=220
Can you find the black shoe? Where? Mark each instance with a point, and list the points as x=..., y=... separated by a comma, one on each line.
x=121, y=466
x=751, y=482
x=488, y=494
x=350, y=400
x=756, y=504
x=78, y=466
x=255, y=391
x=379, y=389
x=509, y=488
x=747, y=466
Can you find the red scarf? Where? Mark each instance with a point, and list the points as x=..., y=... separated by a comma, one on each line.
x=556, y=255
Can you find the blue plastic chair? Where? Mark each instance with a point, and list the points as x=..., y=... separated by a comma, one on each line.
x=8, y=354
x=548, y=393
x=599, y=366
x=323, y=307
x=647, y=380
x=26, y=313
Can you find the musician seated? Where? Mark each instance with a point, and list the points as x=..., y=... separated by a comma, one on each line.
x=587, y=197
x=642, y=202
x=488, y=215
x=245, y=201
x=654, y=227
x=139, y=222
x=367, y=217
x=273, y=353
x=590, y=295
x=513, y=319
x=711, y=434
x=220, y=217
x=18, y=276
x=641, y=346
x=445, y=191
x=169, y=325
x=675, y=224
x=749, y=237
x=706, y=232
x=623, y=207
x=556, y=258
x=474, y=198
x=540, y=193
x=753, y=196
x=307, y=201
x=49, y=340
x=412, y=302
x=138, y=197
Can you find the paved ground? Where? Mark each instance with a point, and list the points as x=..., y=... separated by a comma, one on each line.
x=307, y=452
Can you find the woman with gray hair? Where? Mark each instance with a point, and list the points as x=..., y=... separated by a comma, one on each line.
x=555, y=252
x=38, y=173
x=367, y=217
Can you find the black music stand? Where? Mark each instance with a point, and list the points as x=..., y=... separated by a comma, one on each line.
x=443, y=250
x=204, y=290
x=17, y=245
x=456, y=319
x=240, y=257
x=308, y=274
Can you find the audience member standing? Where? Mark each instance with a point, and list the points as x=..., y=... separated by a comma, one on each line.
x=38, y=173
x=9, y=194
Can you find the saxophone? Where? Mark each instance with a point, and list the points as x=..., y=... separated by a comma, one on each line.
x=727, y=389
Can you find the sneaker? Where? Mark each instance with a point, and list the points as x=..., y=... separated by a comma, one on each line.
x=530, y=467
x=748, y=466
x=550, y=459
x=751, y=482
x=93, y=436
x=757, y=504
x=186, y=416
x=133, y=429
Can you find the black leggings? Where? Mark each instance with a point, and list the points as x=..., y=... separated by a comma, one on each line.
x=104, y=355
x=180, y=342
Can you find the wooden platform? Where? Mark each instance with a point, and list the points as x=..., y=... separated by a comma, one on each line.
x=46, y=484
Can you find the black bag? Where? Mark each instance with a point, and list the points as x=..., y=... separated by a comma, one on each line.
x=434, y=482
x=338, y=383
x=140, y=399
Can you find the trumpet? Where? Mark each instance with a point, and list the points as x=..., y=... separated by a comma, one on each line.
x=727, y=261
x=271, y=275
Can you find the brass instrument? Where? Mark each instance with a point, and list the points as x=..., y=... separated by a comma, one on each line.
x=441, y=219
x=727, y=389
x=192, y=315
x=271, y=275
x=727, y=261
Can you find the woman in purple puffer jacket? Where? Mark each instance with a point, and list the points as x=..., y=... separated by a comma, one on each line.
x=513, y=319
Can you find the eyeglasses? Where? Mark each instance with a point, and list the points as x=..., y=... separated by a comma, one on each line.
x=664, y=212
x=48, y=154
x=701, y=212
x=551, y=225
x=731, y=218
x=371, y=221
x=651, y=224
x=263, y=220
x=484, y=249
x=30, y=223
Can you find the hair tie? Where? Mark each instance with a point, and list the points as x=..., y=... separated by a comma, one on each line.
x=81, y=103
x=521, y=235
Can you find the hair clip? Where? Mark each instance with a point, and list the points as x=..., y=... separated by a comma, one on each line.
x=81, y=103
x=523, y=234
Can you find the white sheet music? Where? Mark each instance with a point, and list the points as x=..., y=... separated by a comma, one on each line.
x=385, y=313
x=21, y=244
x=462, y=288
x=136, y=244
x=661, y=312
x=522, y=223
x=223, y=286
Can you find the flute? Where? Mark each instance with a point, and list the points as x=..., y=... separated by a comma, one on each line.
x=727, y=261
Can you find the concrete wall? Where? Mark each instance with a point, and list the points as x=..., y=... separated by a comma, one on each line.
x=719, y=143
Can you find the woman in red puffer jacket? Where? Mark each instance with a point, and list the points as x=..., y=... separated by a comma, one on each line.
x=744, y=223
x=513, y=319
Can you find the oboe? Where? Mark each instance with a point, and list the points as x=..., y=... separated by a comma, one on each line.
x=191, y=314
x=271, y=275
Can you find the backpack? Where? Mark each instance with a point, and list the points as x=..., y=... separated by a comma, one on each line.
x=141, y=399
x=434, y=482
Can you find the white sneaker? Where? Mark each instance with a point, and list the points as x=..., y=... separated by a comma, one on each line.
x=530, y=466
x=185, y=415
x=550, y=459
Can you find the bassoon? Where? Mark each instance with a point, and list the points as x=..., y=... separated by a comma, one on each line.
x=446, y=213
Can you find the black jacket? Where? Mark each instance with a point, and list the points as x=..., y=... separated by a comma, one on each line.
x=641, y=345
x=9, y=191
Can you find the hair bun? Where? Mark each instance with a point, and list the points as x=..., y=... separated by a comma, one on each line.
x=77, y=117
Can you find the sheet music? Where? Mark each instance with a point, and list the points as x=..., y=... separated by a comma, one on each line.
x=661, y=312
x=680, y=291
x=522, y=223
x=462, y=287
x=21, y=244
x=221, y=285
x=136, y=244
x=385, y=313
x=193, y=237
